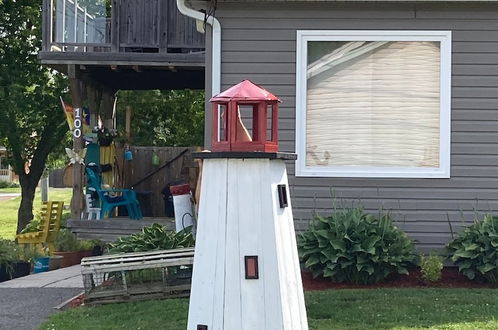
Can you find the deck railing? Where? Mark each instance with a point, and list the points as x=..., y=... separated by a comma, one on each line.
x=151, y=26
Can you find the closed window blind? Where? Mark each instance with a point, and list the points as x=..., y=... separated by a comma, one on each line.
x=373, y=104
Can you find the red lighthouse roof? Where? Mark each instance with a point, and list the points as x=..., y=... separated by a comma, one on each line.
x=246, y=90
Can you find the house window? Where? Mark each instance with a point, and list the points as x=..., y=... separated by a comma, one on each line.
x=373, y=104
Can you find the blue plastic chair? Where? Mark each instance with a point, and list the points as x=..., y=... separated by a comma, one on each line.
x=108, y=202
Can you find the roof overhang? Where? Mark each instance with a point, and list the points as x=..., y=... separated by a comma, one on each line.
x=426, y=1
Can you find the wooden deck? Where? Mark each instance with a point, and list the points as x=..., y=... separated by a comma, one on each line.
x=108, y=230
x=128, y=31
x=124, y=44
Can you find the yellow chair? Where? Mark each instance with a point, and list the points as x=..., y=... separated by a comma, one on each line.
x=51, y=215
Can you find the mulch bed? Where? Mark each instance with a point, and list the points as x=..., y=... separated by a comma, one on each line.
x=451, y=278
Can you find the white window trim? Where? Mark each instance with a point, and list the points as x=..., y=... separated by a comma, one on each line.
x=444, y=37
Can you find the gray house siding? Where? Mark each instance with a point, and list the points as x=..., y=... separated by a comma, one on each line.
x=259, y=43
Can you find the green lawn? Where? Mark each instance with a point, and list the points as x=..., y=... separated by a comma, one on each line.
x=10, y=190
x=8, y=208
x=441, y=309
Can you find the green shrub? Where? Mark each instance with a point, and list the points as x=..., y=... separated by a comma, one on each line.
x=155, y=237
x=8, y=254
x=64, y=217
x=355, y=247
x=66, y=241
x=87, y=245
x=6, y=184
x=33, y=225
x=475, y=250
x=30, y=252
x=431, y=267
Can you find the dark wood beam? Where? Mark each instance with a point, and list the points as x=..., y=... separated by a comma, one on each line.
x=77, y=101
x=124, y=59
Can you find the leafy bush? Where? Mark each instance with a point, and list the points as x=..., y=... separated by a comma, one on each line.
x=30, y=252
x=431, y=268
x=6, y=184
x=87, y=245
x=475, y=250
x=33, y=225
x=155, y=237
x=8, y=255
x=65, y=216
x=66, y=241
x=355, y=247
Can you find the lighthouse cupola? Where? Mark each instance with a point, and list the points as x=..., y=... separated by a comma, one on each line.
x=245, y=118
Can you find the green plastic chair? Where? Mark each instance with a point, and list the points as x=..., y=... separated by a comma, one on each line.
x=111, y=198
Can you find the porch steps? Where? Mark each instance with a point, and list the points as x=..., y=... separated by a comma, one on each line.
x=108, y=230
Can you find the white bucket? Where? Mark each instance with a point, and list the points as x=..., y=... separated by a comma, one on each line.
x=183, y=206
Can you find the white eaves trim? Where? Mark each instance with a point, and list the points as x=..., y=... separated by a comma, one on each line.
x=426, y=1
x=304, y=36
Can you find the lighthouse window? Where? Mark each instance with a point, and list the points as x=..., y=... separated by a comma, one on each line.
x=373, y=103
x=245, y=123
x=269, y=123
x=222, y=122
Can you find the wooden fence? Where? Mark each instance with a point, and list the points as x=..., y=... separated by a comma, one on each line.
x=56, y=178
x=148, y=180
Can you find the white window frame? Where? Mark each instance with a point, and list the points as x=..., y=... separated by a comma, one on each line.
x=443, y=171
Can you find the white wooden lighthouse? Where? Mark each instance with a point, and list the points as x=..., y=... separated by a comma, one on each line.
x=246, y=271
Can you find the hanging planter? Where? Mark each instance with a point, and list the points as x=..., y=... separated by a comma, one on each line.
x=155, y=160
x=105, y=137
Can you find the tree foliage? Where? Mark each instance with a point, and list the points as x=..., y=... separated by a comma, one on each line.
x=32, y=122
x=164, y=118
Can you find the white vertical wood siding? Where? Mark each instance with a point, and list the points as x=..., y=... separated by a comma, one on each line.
x=240, y=216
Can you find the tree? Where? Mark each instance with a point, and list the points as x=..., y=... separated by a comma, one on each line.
x=177, y=117
x=32, y=123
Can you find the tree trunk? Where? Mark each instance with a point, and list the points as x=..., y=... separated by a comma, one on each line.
x=25, y=212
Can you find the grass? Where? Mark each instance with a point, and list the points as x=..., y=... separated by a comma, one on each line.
x=10, y=190
x=8, y=208
x=396, y=309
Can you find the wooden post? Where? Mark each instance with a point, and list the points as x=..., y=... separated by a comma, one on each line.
x=115, y=26
x=129, y=112
x=107, y=107
x=47, y=25
x=94, y=94
x=76, y=96
x=44, y=188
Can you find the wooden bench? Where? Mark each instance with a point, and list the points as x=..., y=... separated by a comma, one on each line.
x=51, y=214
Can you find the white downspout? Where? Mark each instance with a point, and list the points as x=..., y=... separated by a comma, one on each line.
x=216, y=43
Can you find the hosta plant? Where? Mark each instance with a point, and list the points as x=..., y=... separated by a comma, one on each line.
x=355, y=247
x=155, y=237
x=475, y=250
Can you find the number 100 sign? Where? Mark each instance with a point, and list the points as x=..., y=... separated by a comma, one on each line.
x=77, y=123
